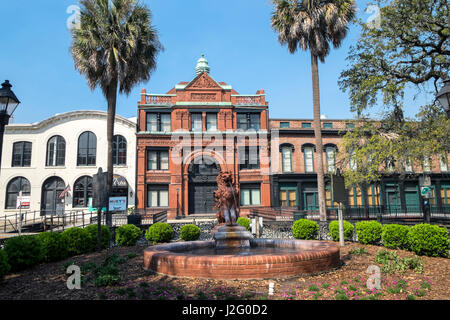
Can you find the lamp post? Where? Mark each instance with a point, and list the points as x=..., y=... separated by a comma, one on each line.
x=8, y=104
x=443, y=96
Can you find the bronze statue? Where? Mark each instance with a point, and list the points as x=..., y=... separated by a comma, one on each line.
x=226, y=199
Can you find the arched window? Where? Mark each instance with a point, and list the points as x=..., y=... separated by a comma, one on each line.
x=82, y=191
x=21, y=154
x=12, y=192
x=286, y=157
x=56, y=151
x=119, y=148
x=330, y=152
x=51, y=201
x=87, y=149
x=308, y=151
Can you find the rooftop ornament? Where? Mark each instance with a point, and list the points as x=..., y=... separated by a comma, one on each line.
x=202, y=66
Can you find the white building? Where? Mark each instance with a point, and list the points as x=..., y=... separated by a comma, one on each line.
x=43, y=158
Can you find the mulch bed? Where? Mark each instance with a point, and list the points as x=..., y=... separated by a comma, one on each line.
x=48, y=281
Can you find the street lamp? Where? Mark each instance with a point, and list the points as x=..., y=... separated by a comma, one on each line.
x=444, y=96
x=8, y=104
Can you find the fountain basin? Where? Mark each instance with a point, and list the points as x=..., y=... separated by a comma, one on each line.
x=266, y=258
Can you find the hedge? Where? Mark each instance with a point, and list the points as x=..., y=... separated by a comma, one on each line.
x=395, y=236
x=305, y=229
x=369, y=232
x=429, y=240
x=245, y=222
x=190, y=232
x=4, y=265
x=159, y=232
x=24, y=252
x=334, y=230
x=55, y=246
x=128, y=235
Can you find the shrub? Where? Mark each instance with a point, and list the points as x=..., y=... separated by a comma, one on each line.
x=245, y=222
x=78, y=241
x=55, y=246
x=395, y=236
x=334, y=230
x=190, y=232
x=429, y=240
x=105, y=236
x=4, y=265
x=305, y=229
x=24, y=252
x=369, y=232
x=128, y=235
x=159, y=232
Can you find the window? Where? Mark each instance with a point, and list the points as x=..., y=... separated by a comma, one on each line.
x=445, y=195
x=157, y=160
x=56, y=152
x=196, y=122
x=426, y=164
x=249, y=157
x=328, y=125
x=21, y=154
x=157, y=196
x=352, y=161
x=331, y=159
x=119, y=149
x=350, y=125
x=285, y=124
x=286, y=158
x=211, y=121
x=12, y=192
x=408, y=166
x=309, y=158
x=246, y=121
x=158, y=122
x=443, y=164
x=82, y=191
x=250, y=195
x=355, y=197
x=87, y=149
x=329, y=197
x=288, y=196
x=306, y=125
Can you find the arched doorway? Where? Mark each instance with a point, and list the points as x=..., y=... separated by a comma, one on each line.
x=203, y=173
x=51, y=190
x=119, y=187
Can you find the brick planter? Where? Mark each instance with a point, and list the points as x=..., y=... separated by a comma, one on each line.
x=306, y=257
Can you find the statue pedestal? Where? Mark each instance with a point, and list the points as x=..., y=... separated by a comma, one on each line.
x=228, y=237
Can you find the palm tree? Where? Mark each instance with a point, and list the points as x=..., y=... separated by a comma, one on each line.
x=312, y=25
x=115, y=47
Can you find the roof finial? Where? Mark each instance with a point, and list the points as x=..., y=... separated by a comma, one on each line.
x=202, y=65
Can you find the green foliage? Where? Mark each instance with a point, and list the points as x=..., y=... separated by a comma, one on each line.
x=190, y=232
x=4, y=265
x=369, y=232
x=359, y=251
x=392, y=263
x=429, y=240
x=55, y=245
x=105, y=236
x=245, y=222
x=159, y=232
x=108, y=274
x=334, y=230
x=128, y=235
x=78, y=241
x=395, y=236
x=24, y=252
x=305, y=229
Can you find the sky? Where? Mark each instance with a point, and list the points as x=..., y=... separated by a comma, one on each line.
x=235, y=36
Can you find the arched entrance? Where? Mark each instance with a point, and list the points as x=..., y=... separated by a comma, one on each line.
x=203, y=173
x=50, y=202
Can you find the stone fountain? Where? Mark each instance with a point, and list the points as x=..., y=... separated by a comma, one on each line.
x=234, y=254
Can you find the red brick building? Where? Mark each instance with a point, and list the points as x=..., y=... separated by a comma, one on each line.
x=188, y=135
x=199, y=128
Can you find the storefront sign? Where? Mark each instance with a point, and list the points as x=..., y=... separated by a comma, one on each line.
x=117, y=204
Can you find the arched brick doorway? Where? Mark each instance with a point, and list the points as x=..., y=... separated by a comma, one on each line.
x=203, y=172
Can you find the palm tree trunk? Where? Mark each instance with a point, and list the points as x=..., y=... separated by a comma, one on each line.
x=318, y=135
x=112, y=99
